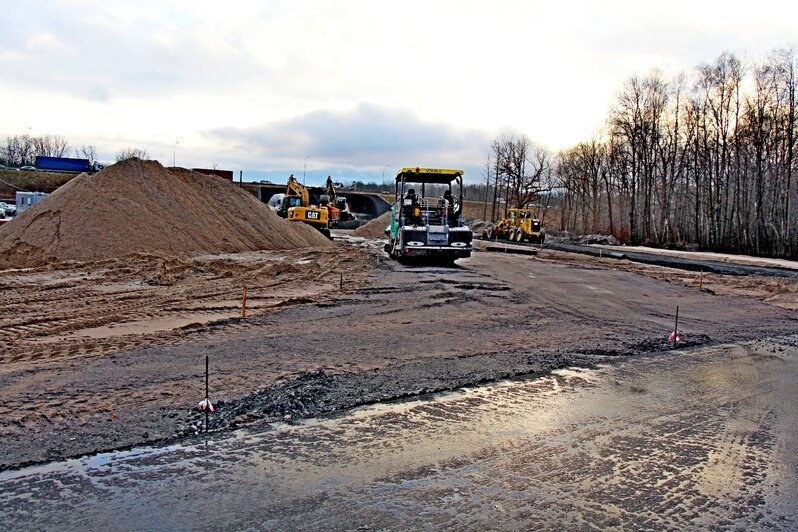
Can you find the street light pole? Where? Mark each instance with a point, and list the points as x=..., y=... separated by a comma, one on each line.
x=174, y=152
x=383, y=171
x=304, y=169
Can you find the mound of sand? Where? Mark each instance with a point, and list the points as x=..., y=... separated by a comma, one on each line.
x=141, y=207
x=375, y=228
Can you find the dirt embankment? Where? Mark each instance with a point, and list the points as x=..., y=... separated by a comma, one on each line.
x=141, y=207
x=375, y=228
x=38, y=181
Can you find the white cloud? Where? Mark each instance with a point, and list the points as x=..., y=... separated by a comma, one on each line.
x=157, y=71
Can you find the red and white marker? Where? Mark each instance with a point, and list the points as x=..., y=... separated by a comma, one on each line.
x=206, y=404
x=675, y=336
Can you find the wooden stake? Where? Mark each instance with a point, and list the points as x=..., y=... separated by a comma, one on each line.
x=676, y=327
x=207, y=409
x=341, y=282
x=244, y=302
x=701, y=283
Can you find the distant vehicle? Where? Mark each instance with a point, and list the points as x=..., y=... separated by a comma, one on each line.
x=6, y=209
x=523, y=224
x=28, y=168
x=266, y=182
x=276, y=202
x=344, y=185
x=67, y=164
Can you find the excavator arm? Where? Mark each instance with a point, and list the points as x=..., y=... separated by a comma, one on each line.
x=331, y=191
x=294, y=188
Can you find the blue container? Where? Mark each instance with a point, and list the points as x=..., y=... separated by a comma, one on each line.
x=62, y=164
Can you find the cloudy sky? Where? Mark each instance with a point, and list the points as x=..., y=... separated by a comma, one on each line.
x=355, y=85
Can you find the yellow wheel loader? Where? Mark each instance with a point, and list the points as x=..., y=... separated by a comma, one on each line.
x=520, y=226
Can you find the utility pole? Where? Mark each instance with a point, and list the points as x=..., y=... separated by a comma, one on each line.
x=304, y=169
x=174, y=153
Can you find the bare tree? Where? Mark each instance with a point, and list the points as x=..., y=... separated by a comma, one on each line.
x=708, y=163
x=87, y=152
x=486, y=172
x=51, y=145
x=130, y=153
x=20, y=150
x=520, y=166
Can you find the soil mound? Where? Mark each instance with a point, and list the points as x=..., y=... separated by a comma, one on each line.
x=139, y=206
x=375, y=228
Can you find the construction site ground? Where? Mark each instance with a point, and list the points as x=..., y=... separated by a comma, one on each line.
x=109, y=355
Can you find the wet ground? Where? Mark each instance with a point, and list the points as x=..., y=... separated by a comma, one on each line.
x=700, y=438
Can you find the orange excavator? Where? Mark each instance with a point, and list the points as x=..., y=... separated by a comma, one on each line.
x=328, y=201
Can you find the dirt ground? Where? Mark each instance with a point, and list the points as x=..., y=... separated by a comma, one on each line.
x=112, y=355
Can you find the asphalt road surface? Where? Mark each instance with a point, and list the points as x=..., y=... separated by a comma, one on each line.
x=690, y=264
x=687, y=439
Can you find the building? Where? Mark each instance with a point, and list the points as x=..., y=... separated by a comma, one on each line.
x=26, y=200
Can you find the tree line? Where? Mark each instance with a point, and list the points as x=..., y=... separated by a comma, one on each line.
x=22, y=150
x=706, y=161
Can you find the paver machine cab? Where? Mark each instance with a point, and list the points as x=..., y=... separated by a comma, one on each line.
x=521, y=225
x=296, y=207
x=424, y=225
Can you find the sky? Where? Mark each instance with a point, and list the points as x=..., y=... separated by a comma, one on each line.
x=350, y=88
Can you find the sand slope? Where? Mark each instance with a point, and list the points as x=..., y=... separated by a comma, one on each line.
x=376, y=227
x=141, y=207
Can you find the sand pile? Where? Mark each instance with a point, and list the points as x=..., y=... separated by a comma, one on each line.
x=141, y=207
x=375, y=228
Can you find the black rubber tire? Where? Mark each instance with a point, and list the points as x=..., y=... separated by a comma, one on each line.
x=519, y=235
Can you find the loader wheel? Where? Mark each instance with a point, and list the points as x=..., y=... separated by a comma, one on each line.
x=489, y=232
x=511, y=235
x=519, y=235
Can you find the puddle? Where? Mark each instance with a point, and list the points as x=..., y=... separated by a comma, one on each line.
x=686, y=440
